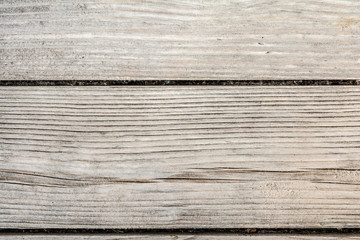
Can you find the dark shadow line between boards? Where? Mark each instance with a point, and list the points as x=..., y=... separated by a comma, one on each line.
x=184, y=231
x=179, y=82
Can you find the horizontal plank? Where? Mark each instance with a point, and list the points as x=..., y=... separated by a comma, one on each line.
x=179, y=39
x=179, y=157
x=176, y=237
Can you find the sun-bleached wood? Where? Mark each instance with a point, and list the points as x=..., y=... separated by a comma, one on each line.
x=179, y=157
x=179, y=39
x=176, y=237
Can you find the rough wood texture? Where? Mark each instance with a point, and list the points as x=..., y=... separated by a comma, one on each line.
x=179, y=39
x=176, y=237
x=179, y=157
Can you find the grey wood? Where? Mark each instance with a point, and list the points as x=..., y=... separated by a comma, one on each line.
x=177, y=237
x=179, y=157
x=179, y=39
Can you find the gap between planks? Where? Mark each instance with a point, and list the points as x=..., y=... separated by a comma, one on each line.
x=175, y=237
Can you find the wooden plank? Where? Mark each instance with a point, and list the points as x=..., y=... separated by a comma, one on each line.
x=179, y=39
x=177, y=237
x=179, y=157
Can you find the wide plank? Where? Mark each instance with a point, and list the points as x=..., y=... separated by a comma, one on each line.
x=177, y=237
x=179, y=157
x=179, y=39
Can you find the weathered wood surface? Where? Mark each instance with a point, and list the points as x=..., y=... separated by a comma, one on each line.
x=177, y=237
x=179, y=157
x=179, y=39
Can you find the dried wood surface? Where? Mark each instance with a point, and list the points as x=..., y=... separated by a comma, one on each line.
x=179, y=39
x=179, y=157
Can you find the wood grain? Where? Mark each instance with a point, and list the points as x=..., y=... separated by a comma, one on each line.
x=179, y=39
x=176, y=237
x=179, y=157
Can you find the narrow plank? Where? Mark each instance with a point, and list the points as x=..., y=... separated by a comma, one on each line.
x=179, y=157
x=176, y=237
x=179, y=39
